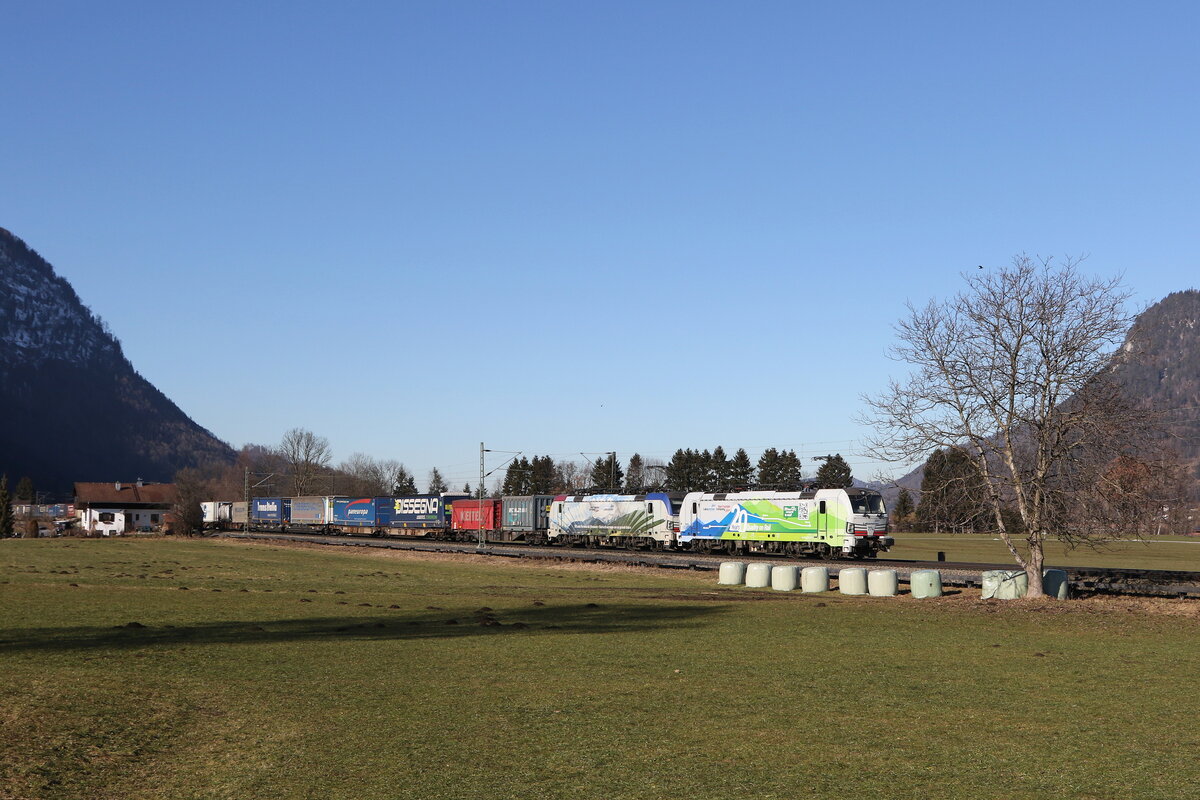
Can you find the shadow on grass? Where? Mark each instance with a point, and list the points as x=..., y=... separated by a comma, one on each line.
x=402, y=624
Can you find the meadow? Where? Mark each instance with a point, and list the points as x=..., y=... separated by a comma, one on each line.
x=217, y=669
x=1158, y=552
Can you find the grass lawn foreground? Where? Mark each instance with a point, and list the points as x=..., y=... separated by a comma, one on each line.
x=217, y=669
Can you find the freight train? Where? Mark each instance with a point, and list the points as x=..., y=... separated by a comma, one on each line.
x=819, y=522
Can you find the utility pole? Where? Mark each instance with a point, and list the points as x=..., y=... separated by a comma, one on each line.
x=479, y=503
x=482, y=477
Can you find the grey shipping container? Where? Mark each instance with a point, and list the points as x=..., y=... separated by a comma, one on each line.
x=239, y=513
x=310, y=510
x=526, y=514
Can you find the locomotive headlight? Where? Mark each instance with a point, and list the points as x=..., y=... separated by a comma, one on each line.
x=849, y=527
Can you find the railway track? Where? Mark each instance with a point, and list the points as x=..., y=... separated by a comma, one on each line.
x=1087, y=580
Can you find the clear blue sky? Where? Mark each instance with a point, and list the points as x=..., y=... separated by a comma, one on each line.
x=564, y=226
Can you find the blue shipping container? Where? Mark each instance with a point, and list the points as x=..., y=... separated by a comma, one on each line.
x=266, y=509
x=415, y=511
x=354, y=512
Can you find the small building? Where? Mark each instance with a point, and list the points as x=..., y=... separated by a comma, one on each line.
x=111, y=509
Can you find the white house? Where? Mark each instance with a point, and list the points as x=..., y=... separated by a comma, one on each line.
x=111, y=509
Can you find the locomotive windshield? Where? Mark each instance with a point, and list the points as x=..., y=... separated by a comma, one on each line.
x=867, y=503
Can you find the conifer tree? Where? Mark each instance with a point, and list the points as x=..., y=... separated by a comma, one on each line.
x=741, y=471
x=703, y=480
x=718, y=468
x=404, y=483
x=541, y=471
x=24, y=493
x=904, y=506
x=6, y=515
x=834, y=473
x=768, y=468
x=437, y=484
x=607, y=472
x=790, y=471
x=635, y=478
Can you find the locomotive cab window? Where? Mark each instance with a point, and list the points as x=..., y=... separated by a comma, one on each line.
x=821, y=510
x=649, y=508
x=868, y=504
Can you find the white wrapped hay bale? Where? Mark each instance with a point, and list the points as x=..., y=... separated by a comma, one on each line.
x=758, y=576
x=852, y=581
x=814, y=579
x=732, y=573
x=1005, y=584
x=925, y=583
x=882, y=583
x=783, y=577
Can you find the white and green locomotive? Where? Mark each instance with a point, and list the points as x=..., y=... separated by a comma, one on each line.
x=823, y=522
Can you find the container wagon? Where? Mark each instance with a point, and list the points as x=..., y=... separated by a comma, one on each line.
x=525, y=519
x=218, y=514
x=353, y=515
x=471, y=516
x=269, y=513
x=314, y=513
x=426, y=515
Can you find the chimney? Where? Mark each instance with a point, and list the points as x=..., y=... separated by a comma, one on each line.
x=117, y=485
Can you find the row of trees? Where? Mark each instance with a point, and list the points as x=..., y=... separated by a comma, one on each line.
x=688, y=471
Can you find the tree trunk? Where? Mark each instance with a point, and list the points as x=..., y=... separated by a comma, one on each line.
x=1033, y=567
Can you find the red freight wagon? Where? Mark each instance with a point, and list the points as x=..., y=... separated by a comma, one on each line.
x=471, y=515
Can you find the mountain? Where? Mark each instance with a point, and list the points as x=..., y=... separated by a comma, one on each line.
x=1159, y=366
x=72, y=407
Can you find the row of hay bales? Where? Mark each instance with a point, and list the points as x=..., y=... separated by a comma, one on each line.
x=1000, y=584
x=853, y=580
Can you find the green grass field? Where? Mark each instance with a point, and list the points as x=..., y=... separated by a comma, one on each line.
x=1164, y=552
x=325, y=673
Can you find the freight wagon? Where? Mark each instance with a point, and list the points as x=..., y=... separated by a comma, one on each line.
x=823, y=522
x=310, y=513
x=471, y=516
x=217, y=514
x=415, y=515
x=526, y=519
x=355, y=514
x=268, y=512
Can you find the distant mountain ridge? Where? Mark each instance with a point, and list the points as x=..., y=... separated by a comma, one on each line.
x=1159, y=365
x=72, y=407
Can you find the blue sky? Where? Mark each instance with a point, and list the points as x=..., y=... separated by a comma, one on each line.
x=577, y=227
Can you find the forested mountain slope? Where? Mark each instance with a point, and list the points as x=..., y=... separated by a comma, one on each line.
x=1159, y=365
x=72, y=408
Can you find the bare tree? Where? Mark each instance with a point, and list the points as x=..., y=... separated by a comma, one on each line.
x=305, y=455
x=369, y=476
x=190, y=490
x=1011, y=372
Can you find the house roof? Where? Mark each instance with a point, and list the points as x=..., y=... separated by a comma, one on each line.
x=131, y=493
